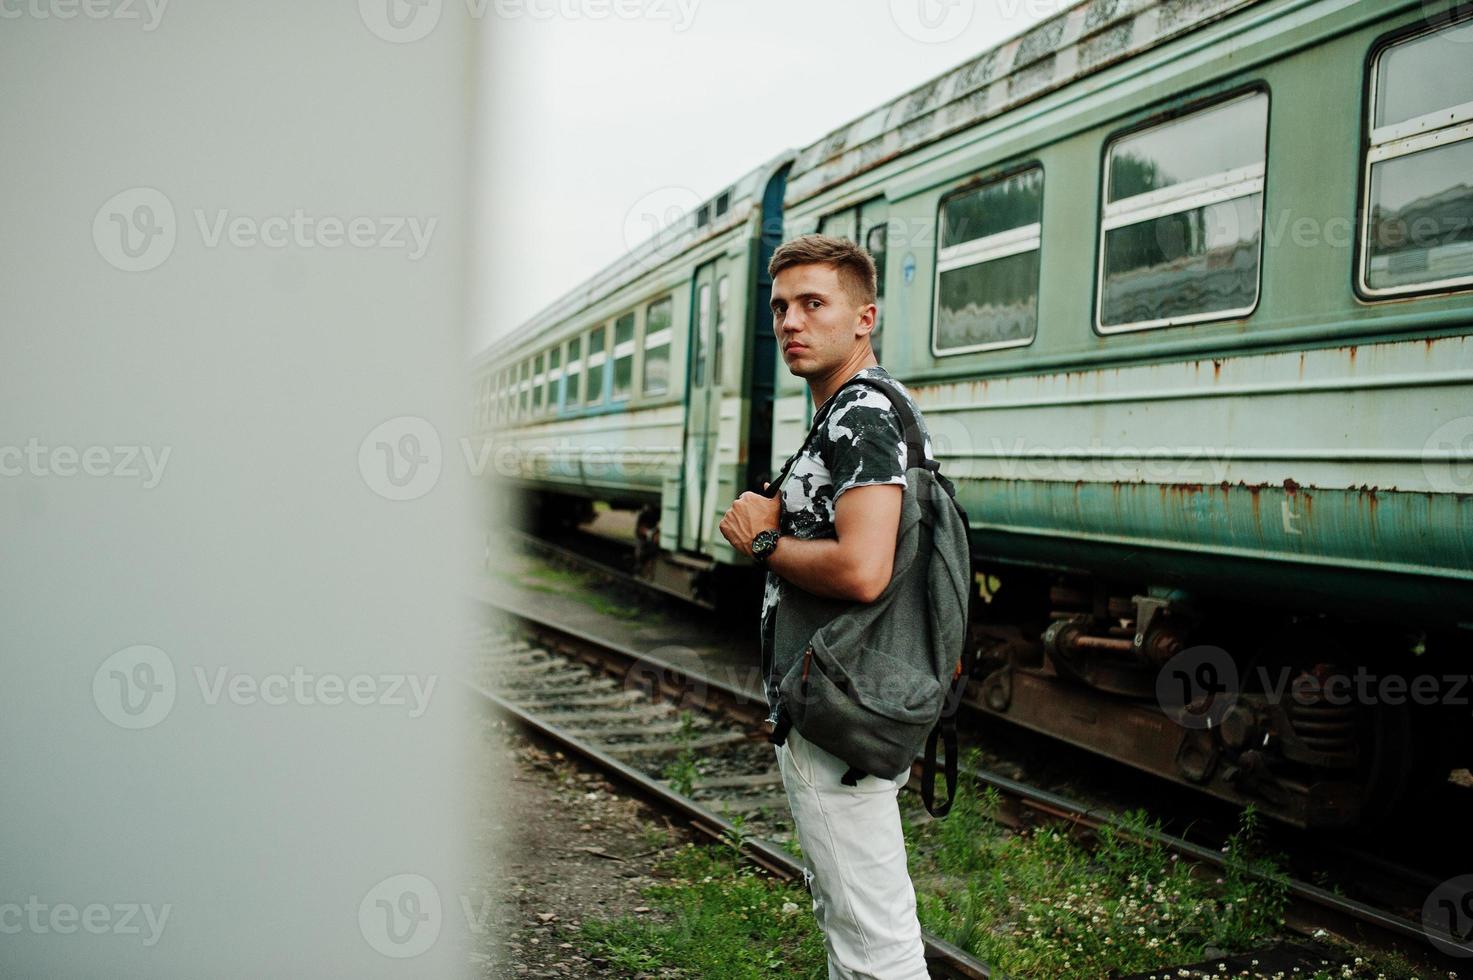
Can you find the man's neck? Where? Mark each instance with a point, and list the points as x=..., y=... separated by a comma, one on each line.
x=823, y=389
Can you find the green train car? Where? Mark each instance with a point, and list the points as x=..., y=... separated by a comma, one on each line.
x=1185, y=291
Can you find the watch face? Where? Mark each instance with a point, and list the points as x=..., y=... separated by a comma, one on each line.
x=763, y=543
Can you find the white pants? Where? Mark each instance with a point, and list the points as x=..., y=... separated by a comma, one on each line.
x=855, y=864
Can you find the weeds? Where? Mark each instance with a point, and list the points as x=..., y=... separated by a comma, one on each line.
x=681, y=772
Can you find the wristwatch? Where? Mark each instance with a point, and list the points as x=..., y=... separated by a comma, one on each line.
x=763, y=545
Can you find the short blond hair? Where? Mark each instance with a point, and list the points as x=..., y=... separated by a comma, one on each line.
x=855, y=266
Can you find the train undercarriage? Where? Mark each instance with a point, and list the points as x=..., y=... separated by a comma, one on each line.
x=1317, y=722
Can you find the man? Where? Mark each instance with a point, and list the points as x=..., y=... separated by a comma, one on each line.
x=836, y=516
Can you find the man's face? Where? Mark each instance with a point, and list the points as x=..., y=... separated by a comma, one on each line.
x=818, y=324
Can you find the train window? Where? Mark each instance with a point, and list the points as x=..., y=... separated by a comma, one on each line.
x=723, y=289
x=1417, y=229
x=597, y=354
x=554, y=377
x=624, y=356
x=523, y=387
x=875, y=242
x=703, y=321
x=1181, y=228
x=574, y=373
x=987, y=265
x=841, y=224
x=657, y=335
x=539, y=380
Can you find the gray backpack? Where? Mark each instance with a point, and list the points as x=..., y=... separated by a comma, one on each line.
x=874, y=683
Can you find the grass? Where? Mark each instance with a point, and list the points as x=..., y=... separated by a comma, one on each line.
x=1040, y=904
x=1034, y=904
x=721, y=920
x=586, y=587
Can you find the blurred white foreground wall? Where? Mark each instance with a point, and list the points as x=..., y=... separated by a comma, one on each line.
x=234, y=513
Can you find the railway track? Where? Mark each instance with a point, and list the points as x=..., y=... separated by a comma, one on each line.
x=595, y=701
x=639, y=718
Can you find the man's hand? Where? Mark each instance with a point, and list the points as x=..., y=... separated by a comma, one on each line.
x=748, y=514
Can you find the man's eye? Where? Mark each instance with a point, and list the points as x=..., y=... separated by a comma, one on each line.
x=814, y=304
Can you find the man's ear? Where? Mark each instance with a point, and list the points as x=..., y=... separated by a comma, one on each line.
x=868, y=314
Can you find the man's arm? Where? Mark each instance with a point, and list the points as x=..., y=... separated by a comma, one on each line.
x=858, y=563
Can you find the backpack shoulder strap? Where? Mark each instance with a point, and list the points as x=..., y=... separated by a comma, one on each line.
x=915, y=444
x=813, y=429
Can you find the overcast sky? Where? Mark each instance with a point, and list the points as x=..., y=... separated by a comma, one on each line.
x=596, y=105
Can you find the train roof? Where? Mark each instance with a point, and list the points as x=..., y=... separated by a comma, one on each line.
x=1072, y=44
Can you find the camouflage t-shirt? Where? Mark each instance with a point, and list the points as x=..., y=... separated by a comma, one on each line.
x=861, y=443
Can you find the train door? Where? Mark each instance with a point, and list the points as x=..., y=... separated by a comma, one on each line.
x=874, y=231
x=702, y=406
